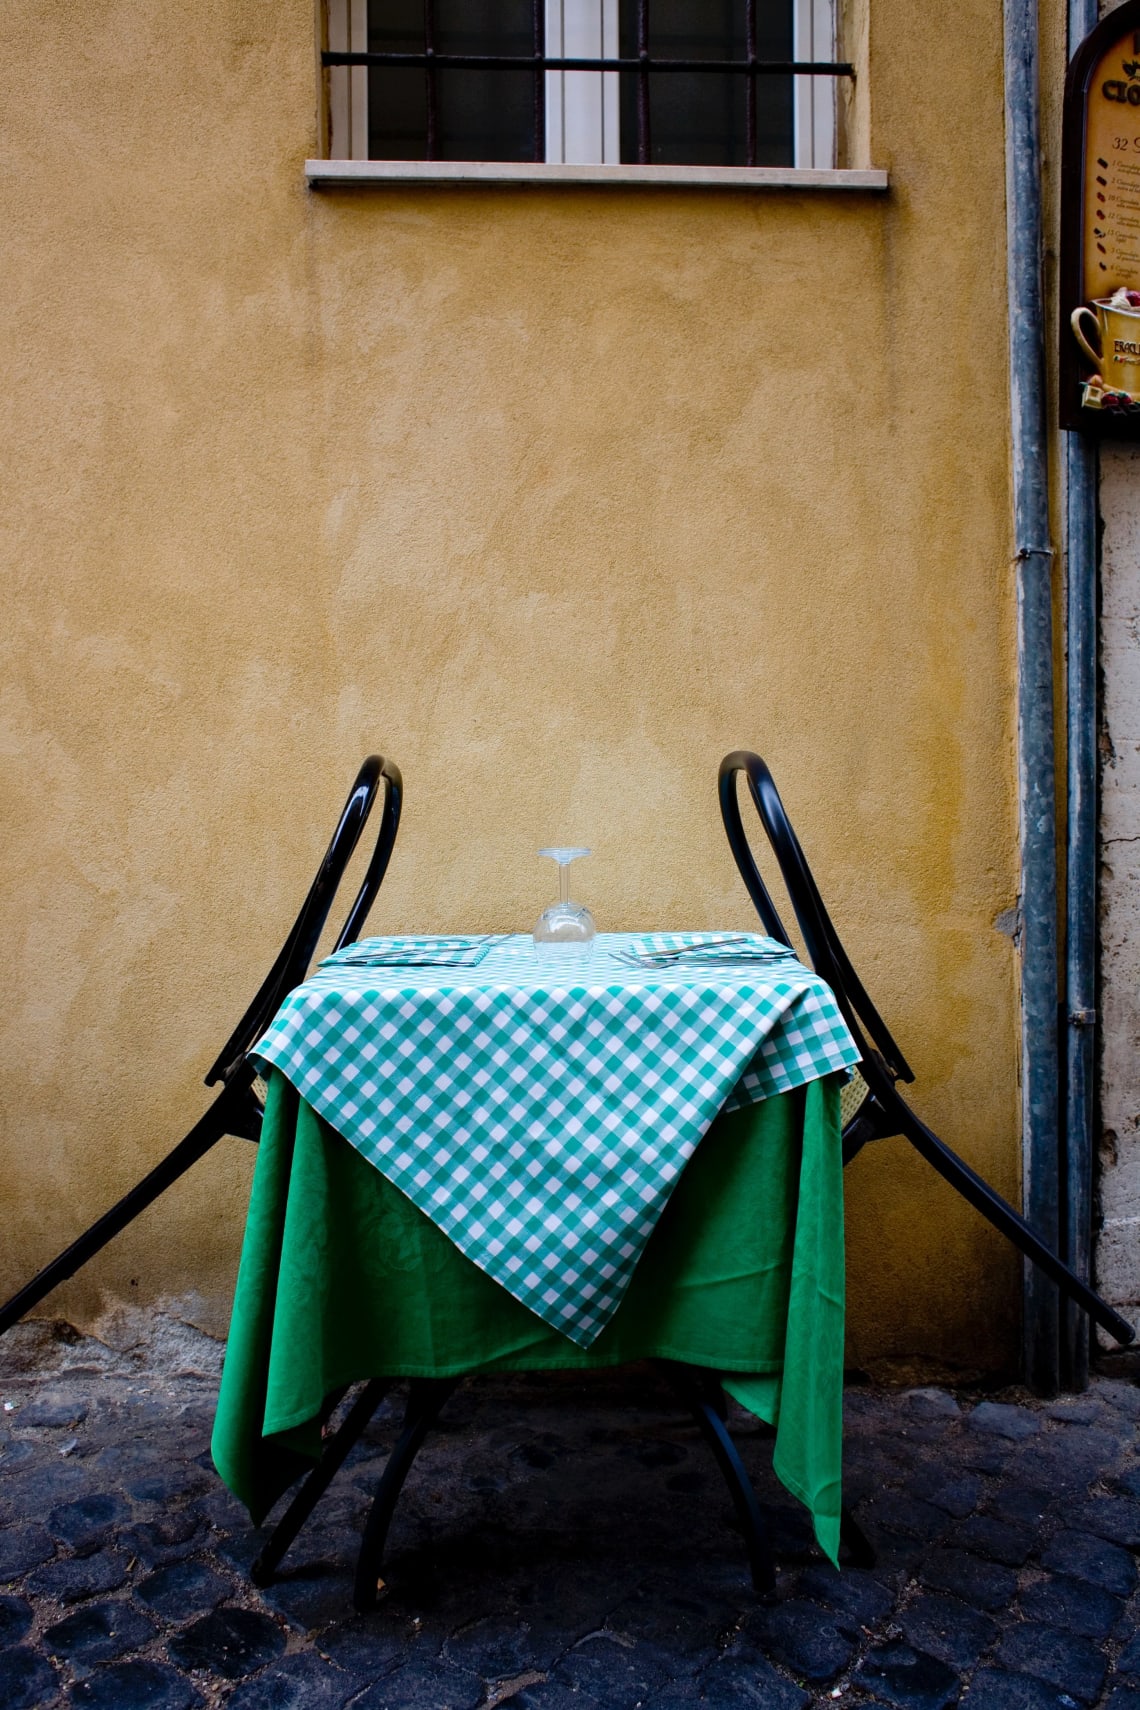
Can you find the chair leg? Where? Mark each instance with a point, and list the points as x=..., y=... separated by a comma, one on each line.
x=229, y=1114
x=317, y=1482
x=1004, y=1218
x=694, y=1391
x=713, y=1393
x=425, y=1401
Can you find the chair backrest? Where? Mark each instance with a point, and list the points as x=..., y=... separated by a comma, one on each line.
x=292, y=962
x=824, y=947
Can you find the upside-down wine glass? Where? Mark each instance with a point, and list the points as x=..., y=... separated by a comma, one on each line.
x=564, y=931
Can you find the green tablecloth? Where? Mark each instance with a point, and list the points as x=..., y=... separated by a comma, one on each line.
x=541, y=1112
x=343, y=1279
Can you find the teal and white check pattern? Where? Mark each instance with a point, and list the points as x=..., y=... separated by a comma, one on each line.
x=415, y=952
x=542, y=1115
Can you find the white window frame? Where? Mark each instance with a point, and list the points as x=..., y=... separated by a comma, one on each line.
x=813, y=125
x=583, y=118
x=582, y=115
x=348, y=84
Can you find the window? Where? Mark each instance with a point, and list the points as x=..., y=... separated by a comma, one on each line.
x=665, y=82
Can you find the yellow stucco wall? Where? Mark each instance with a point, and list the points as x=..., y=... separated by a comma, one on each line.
x=554, y=497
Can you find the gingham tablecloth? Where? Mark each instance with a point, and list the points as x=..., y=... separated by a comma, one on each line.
x=541, y=1116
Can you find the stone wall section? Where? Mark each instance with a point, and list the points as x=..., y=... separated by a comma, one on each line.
x=1118, y=1238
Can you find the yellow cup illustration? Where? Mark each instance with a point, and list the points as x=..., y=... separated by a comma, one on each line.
x=1118, y=330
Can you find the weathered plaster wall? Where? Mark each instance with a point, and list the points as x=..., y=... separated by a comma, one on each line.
x=553, y=497
x=1118, y=1239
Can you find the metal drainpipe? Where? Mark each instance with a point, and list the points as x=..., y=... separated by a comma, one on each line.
x=1080, y=470
x=1033, y=565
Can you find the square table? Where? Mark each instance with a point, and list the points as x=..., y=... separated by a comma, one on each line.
x=504, y=1166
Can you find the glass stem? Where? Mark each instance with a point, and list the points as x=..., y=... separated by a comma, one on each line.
x=564, y=881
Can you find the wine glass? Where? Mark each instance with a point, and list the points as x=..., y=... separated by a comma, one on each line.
x=565, y=930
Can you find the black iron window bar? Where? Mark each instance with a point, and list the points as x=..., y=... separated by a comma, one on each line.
x=431, y=61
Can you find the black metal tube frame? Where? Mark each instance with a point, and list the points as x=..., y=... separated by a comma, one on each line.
x=884, y=1112
x=234, y=1111
x=644, y=127
x=699, y=1389
x=750, y=90
x=539, y=62
x=336, y=1452
x=237, y=1110
x=538, y=27
x=297, y=952
x=705, y=1400
x=426, y=1397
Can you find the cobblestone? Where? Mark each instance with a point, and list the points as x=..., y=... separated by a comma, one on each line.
x=734, y=1684
x=302, y=1682
x=1062, y=1464
x=855, y=1594
x=183, y=1589
x=1075, y=1410
x=1123, y=1396
x=86, y=1522
x=803, y=1637
x=997, y=1689
x=564, y=1544
x=1072, y=1605
x=998, y=1419
x=15, y=1619
x=137, y=1685
x=1113, y=1517
x=996, y=1540
x=948, y=1629
x=1023, y=1507
x=54, y=1411
x=231, y=1642
x=1129, y=1660
x=909, y=1516
x=1092, y=1560
x=907, y=1678
x=22, y=1548
x=27, y=1680
x=958, y=1497
x=98, y=1633
x=977, y=1582
x=1071, y=1664
x=73, y=1578
x=428, y=1686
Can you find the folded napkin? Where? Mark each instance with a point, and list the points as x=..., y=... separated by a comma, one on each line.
x=465, y=952
x=682, y=949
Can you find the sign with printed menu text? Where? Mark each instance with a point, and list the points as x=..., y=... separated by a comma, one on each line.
x=1100, y=231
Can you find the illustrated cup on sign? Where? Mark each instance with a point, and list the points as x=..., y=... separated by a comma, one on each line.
x=1117, y=328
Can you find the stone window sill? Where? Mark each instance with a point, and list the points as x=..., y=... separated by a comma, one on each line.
x=342, y=174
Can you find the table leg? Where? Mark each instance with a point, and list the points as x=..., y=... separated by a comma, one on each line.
x=693, y=1387
x=426, y=1398
x=317, y=1482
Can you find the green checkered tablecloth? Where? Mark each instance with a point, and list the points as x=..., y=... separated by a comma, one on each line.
x=541, y=1116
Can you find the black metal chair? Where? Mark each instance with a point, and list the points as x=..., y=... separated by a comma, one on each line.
x=239, y=1106
x=873, y=1108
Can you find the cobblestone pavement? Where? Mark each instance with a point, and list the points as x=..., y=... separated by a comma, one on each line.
x=561, y=1545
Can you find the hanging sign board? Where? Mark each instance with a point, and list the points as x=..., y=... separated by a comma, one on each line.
x=1100, y=231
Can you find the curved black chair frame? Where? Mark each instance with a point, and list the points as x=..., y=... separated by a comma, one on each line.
x=881, y=1111
x=238, y=1107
